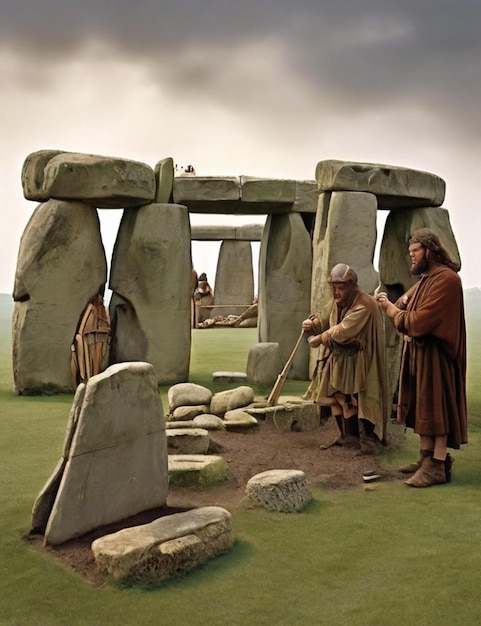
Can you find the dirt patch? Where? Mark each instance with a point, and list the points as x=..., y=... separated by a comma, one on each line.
x=247, y=452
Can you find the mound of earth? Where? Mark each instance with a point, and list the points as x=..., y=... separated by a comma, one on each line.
x=247, y=452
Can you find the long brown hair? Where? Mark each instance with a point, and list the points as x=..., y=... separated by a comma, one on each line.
x=427, y=238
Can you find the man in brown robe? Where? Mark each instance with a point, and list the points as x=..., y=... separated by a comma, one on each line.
x=432, y=383
x=350, y=375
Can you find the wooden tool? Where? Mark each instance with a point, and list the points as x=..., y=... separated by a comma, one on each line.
x=276, y=390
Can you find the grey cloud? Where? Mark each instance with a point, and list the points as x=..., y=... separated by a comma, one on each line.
x=349, y=54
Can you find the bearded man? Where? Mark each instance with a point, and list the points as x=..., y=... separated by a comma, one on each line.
x=432, y=383
x=350, y=375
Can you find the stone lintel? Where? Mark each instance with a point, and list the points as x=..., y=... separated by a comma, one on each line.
x=206, y=189
x=101, y=181
x=307, y=197
x=243, y=195
x=270, y=190
x=248, y=232
x=394, y=187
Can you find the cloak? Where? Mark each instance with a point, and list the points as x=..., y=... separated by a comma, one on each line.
x=432, y=383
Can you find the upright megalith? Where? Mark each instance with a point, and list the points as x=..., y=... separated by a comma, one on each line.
x=61, y=265
x=394, y=261
x=114, y=462
x=234, y=279
x=350, y=237
x=164, y=180
x=150, y=279
x=285, y=287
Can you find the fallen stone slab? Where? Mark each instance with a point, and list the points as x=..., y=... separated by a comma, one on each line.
x=179, y=424
x=394, y=187
x=166, y=547
x=208, y=421
x=229, y=377
x=239, y=418
x=183, y=413
x=204, y=470
x=294, y=416
x=187, y=440
x=187, y=394
x=230, y=399
x=284, y=491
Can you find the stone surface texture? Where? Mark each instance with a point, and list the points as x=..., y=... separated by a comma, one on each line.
x=166, y=547
x=102, y=181
x=234, y=279
x=116, y=464
x=61, y=264
x=284, y=491
x=264, y=363
x=187, y=441
x=201, y=470
x=285, y=287
x=150, y=277
x=224, y=401
x=188, y=394
x=393, y=186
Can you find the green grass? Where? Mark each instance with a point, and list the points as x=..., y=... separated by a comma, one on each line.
x=386, y=556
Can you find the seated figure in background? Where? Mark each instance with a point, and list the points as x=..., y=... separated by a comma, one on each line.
x=203, y=297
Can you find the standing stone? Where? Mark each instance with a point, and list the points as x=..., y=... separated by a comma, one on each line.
x=150, y=278
x=117, y=463
x=234, y=279
x=164, y=180
x=394, y=261
x=263, y=363
x=350, y=237
x=61, y=265
x=284, y=287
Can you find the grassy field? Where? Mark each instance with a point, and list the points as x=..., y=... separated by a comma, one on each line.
x=387, y=556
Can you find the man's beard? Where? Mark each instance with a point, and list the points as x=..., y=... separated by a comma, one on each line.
x=420, y=267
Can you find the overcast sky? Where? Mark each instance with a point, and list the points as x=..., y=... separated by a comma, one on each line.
x=258, y=87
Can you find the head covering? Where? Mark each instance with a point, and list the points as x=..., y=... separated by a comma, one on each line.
x=429, y=240
x=342, y=273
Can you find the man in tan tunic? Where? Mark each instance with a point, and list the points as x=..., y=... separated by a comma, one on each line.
x=432, y=383
x=350, y=373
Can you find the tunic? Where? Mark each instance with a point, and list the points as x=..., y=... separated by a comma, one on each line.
x=432, y=383
x=353, y=360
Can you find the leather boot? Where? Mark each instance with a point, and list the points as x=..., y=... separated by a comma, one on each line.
x=432, y=472
x=413, y=467
x=369, y=442
x=448, y=464
x=345, y=439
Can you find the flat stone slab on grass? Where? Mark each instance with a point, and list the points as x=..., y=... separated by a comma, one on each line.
x=166, y=547
x=229, y=377
x=290, y=415
x=284, y=491
x=238, y=418
x=204, y=470
x=187, y=440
